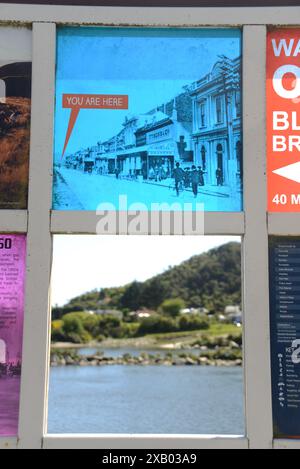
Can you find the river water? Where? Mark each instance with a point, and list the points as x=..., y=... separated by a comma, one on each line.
x=146, y=399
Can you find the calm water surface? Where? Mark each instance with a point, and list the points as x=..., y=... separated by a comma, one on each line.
x=146, y=399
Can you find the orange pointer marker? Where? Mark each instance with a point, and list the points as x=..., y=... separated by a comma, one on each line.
x=75, y=102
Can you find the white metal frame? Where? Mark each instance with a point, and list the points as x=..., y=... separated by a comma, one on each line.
x=254, y=224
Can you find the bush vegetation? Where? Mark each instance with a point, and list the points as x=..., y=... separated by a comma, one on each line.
x=81, y=327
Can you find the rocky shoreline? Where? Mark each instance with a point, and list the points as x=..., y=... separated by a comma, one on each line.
x=222, y=358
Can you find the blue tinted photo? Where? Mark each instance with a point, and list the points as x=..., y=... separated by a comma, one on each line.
x=178, y=139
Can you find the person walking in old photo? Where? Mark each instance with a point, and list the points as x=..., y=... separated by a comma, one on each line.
x=201, y=176
x=178, y=176
x=219, y=176
x=195, y=179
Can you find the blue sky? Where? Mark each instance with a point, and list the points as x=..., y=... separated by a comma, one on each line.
x=151, y=66
x=84, y=262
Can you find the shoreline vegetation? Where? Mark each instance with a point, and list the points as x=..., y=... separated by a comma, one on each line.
x=220, y=345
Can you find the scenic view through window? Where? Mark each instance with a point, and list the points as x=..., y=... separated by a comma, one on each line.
x=146, y=335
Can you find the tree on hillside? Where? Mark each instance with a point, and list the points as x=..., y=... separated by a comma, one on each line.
x=172, y=307
x=131, y=299
x=153, y=293
x=73, y=329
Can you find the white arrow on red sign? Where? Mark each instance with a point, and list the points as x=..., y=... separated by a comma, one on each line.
x=291, y=172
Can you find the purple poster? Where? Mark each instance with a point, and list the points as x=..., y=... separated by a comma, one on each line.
x=12, y=277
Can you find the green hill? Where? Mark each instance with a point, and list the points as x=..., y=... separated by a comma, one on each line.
x=211, y=280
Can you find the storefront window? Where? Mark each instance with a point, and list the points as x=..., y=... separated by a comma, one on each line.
x=219, y=110
x=238, y=104
x=202, y=114
x=203, y=158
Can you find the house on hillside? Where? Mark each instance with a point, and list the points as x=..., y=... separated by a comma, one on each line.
x=232, y=310
x=200, y=310
x=142, y=313
x=109, y=312
x=234, y=314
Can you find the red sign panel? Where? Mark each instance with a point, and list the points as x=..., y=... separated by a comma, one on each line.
x=283, y=120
